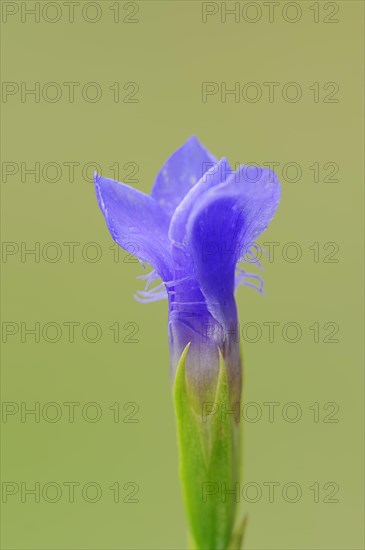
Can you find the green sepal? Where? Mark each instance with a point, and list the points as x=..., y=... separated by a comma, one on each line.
x=237, y=538
x=209, y=463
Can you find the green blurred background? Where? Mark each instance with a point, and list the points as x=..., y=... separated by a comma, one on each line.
x=169, y=52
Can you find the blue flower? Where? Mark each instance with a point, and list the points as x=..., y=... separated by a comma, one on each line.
x=199, y=220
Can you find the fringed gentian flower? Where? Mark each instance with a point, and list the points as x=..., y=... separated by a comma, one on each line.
x=198, y=222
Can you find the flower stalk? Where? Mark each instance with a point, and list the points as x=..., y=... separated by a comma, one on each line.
x=209, y=448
